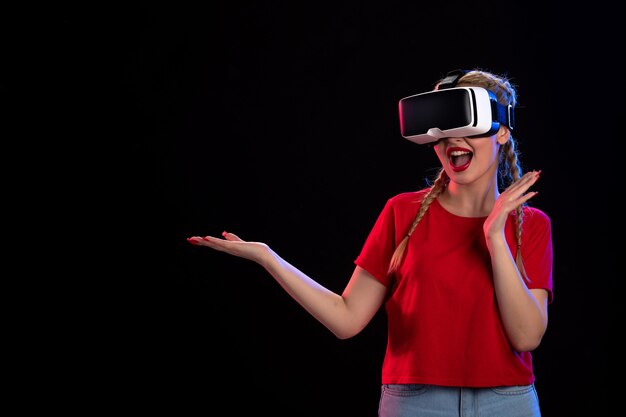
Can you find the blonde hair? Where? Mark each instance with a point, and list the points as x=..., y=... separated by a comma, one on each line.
x=509, y=168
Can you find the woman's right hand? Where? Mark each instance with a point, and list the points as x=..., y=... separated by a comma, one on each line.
x=233, y=245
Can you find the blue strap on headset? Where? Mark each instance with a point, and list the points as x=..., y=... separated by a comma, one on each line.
x=503, y=114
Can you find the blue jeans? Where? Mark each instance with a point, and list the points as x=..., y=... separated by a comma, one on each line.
x=417, y=400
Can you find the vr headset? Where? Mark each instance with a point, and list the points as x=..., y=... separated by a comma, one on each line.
x=452, y=111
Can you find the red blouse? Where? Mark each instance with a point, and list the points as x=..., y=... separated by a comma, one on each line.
x=444, y=326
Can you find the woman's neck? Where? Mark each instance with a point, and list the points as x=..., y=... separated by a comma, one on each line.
x=473, y=200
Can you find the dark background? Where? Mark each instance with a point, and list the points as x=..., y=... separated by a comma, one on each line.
x=278, y=122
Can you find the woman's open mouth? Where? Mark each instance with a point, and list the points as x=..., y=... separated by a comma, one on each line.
x=460, y=158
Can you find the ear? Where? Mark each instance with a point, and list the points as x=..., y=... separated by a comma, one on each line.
x=503, y=135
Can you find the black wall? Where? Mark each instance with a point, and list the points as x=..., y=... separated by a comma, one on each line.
x=279, y=123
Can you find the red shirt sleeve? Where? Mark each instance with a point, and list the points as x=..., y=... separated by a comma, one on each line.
x=537, y=251
x=379, y=246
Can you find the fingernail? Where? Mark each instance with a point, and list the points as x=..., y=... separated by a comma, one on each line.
x=224, y=233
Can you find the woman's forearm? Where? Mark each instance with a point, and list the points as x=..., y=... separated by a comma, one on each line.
x=327, y=307
x=522, y=315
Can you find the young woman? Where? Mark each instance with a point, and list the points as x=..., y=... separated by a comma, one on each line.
x=464, y=271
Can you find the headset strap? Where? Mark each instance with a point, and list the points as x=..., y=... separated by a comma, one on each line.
x=452, y=78
x=503, y=114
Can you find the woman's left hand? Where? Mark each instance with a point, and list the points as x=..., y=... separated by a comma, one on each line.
x=509, y=200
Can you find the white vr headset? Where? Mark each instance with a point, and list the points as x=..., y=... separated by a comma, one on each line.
x=452, y=112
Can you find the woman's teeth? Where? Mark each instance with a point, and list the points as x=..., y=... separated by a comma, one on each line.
x=458, y=158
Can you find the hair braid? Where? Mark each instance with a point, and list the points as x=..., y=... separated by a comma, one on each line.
x=511, y=170
x=440, y=184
